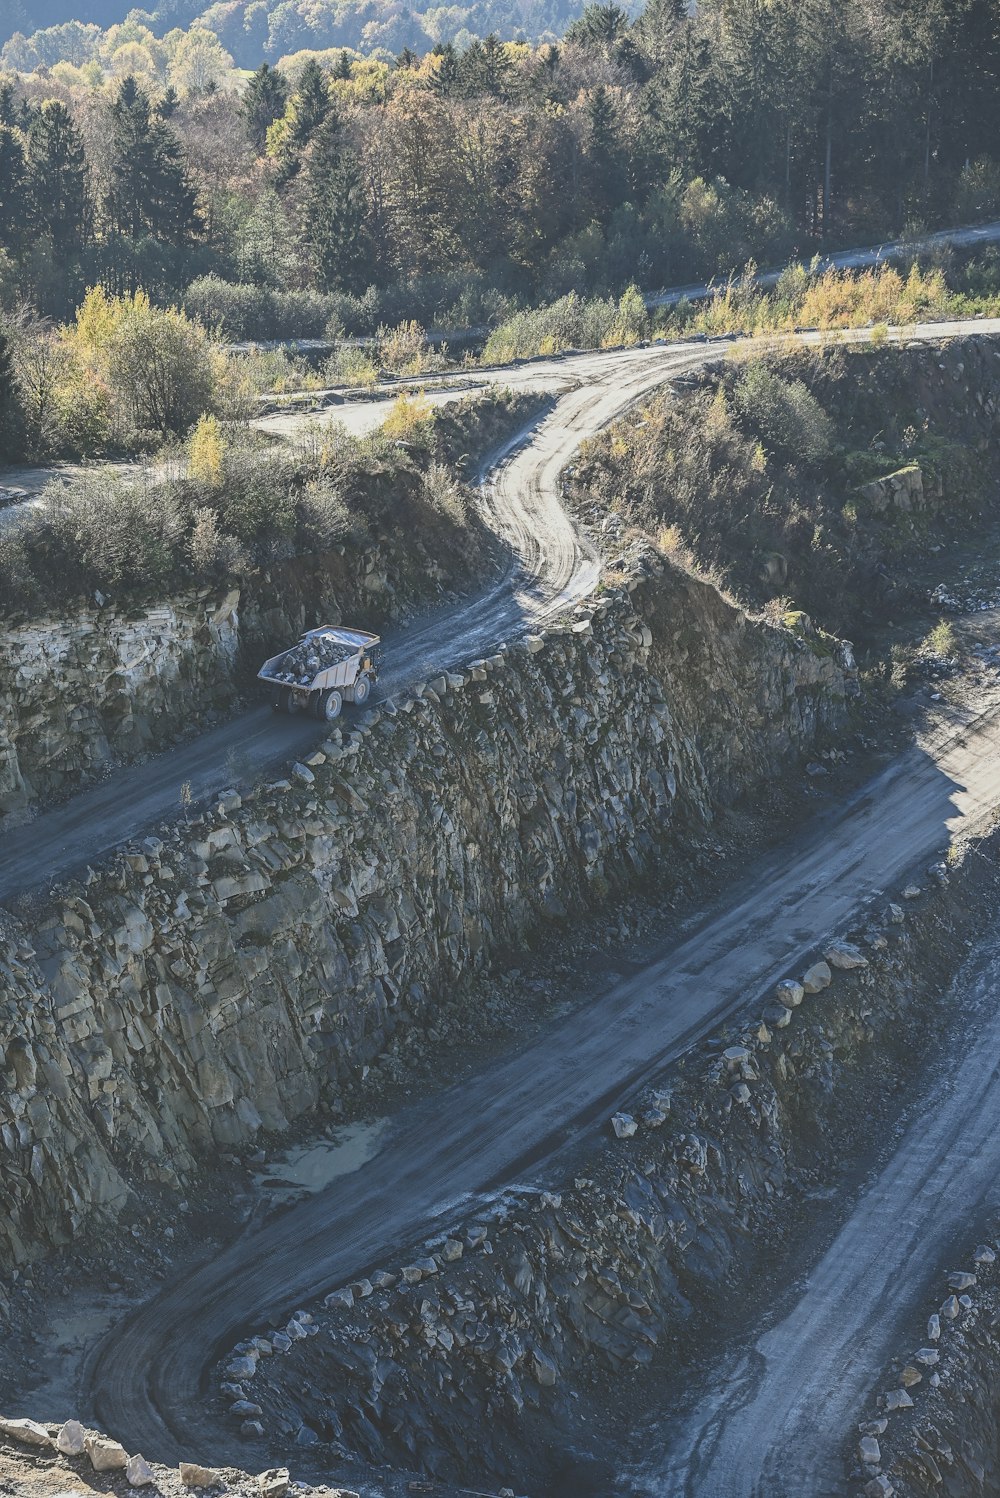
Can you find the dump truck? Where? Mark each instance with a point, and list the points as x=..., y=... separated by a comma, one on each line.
x=329, y=666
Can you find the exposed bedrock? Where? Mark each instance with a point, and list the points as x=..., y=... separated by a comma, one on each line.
x=234, y=972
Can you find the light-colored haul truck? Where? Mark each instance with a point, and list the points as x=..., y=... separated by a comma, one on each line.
x=328, y=667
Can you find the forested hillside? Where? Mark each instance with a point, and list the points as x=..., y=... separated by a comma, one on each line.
x=50, y=31
x=453, y=184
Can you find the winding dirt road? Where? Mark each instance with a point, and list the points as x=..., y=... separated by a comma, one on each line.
x=775, y=1420
x=146, y=1382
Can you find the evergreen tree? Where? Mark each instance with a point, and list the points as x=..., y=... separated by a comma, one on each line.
x=447, y=79
x=606, y=158
x=169, y=103
x=343, y=68
x=335, y=211
x=148, y=195
x=11, y=410
x=13, y=182
x=57, y=172
x=263, y=102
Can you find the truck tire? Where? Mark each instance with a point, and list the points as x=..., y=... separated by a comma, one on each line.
x=288, y=702
x=362, y=689
x=329, y=705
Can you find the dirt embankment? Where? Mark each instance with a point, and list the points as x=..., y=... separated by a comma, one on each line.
x=825, y=481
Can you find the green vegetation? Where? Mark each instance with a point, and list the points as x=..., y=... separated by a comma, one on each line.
x=753, y=478
x=332, y=188
x=241, y=504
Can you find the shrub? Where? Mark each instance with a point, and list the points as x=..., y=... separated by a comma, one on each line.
x=785, y=415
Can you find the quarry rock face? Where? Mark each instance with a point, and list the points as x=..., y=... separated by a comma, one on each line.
x=102, y=685
x=228, y=976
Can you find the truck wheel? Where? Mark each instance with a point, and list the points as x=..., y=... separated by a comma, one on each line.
x=288, y=702
x=362, y=689
x=329, y=705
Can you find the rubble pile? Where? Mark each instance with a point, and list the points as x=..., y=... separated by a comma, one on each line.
x=318, y=652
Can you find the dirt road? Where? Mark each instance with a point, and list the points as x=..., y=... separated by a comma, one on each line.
x=145, y=1383
x=776, y=1418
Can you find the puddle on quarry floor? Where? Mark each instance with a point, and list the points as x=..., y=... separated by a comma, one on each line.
x=312, y=1166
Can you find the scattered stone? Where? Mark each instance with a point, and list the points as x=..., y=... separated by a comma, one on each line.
x=740, y=1093
x=951, y=1308
x=71, y=1438
x=383, y=1280
x=984, y=1255
x=777, y=1016
x=242, y=1367
x=874, y=1427
x=869, y=1451
x=927, y=1355
x=960, y=1279
x=193, y=1475
x=910, y=1376
x=912, y=892
x=252, y=1429
x=303, y=773
x=411, y=1274
x=842, y=955
x=736, y=1055
x=138, y=1472
x=789, y=993
x=898, y=1399
x=896, y=915
x=452, y=1249
x=879, y=1487
x=934, y=1328
x=361, y=1289
x=105, y=1455
x=29, y=1432
x=624, y=1125
x=817, y=978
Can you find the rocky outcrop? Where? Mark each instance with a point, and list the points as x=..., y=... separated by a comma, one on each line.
x=107, y=684
x=231, y=975
x=110, y=684
x=905, y=490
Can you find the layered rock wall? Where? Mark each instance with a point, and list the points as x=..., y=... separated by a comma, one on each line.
x=232, y=975
x=105, y=684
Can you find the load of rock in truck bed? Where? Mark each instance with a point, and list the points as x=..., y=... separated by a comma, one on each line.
x=310, y=656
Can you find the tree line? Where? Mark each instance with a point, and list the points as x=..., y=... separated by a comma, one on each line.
x=456, y=184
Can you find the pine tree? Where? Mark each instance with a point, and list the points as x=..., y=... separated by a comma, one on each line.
x=263, y=102
x=606, y=175
x=11, y=411
x=13, y=181
x=343, y=68
x=148, y=194
x=335, y=211
x=57, y=172
x=446, y=81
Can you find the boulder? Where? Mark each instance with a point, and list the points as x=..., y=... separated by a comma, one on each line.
x=193, y=1475
x=961, y=1280
x=29, y=1432
x=138, y=1472
x=898, y=1399
x=869, y=1451
x=934, y=1328
x=777, y=1016
x=71, y=1438
x=339, y=1299
x=624, y=1125
x=817, y=978
x=273, y=1483
x=842, y=955
x=910, y=1376
x=951, y=1308
x=789, y=993
x=879, y=1487
x=984, y=1255
x=105, y=1455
